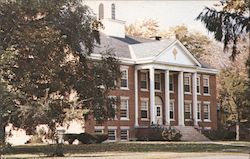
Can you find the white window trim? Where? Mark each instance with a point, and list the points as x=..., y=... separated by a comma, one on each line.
x=145, y=100
x=198, y=102
x=102, y=130
x=190, y=108
x=199, y=79
x=143, y=89
x=158, y=90
x=125, y=68
x=209, y=111
x=125, y=118
x=206, y=77
x=171, y=76
x=189, y=77
x=127, y=133
x=172, y=101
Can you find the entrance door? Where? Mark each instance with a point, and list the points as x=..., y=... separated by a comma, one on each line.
x=158, y=114
x=158, y=110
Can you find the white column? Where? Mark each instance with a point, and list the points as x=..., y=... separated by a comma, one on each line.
x=167, y=98
x=152, y=95
x=136, y=98
x=194, y=84
x=181, y=99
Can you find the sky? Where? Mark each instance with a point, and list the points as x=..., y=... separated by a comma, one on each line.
x=168, y=13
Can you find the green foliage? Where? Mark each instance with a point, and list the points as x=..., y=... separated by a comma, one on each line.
x=45, y=49
x=228, y=24
x=171, y=134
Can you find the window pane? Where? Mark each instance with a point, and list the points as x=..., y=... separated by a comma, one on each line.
x=124, y=109
x=187, y=111
x=144, y=114
x=98, y=131
x=158, y=111
x=186, y=88
x=171, y=110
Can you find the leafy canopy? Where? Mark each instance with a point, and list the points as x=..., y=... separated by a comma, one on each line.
x=45, y=49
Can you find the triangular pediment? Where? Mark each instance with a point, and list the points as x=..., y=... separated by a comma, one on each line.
x=177, y=54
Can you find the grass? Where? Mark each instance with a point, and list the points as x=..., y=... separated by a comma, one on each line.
x=129, y=147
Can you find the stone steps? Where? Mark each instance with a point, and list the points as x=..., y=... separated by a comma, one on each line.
x=189, y=133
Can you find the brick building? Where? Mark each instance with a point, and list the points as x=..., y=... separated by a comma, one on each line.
x=162, y=83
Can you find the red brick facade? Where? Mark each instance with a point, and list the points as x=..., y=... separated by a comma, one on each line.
x=118, y=125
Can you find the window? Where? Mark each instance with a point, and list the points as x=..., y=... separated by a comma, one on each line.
x=112, y=135
x=171, y=110
x=101, y=11
x=206, y=85
x=171, y=83
x=206, y=111
x=144, y=80
x=124, y=135
x=187, y=106
x=99, y=131
x=113, y=11
x=144, y=109
x=198, y=85
x=124, y=78
x=157, y=81
x=187, y=84
x=198, y=111
x=158, y=111
x=124, y=109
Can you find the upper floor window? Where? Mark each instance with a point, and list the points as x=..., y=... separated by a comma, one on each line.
x=171, y=83
x=206, y=85
x=158, y=81
x=124, y=109
x=187, y=85
x=206, y=108
x=113, y=11
x=144, y=108
x=101, y=11
x=198, y=85
x=144, y=80
x=124, y=78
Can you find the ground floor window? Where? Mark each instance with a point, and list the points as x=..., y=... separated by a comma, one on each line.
x=171, y=110
x=198, y=111
x=206, y=111
x=124, y=135
x=187, y=106
x=144, y=109
x=112, y=135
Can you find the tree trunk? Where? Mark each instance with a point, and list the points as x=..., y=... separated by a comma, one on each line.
x=2, y=130
x=237, y=131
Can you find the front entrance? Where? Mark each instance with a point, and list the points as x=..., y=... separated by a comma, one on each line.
x=158, y=110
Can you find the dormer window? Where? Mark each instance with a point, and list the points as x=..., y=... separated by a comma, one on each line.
x=113, y=11
x=101, y=11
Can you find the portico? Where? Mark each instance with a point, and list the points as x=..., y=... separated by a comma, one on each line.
x=166, y=69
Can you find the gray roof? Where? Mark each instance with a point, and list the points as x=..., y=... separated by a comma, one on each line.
x=142, y=48
x=118, y=45
x=151, y=49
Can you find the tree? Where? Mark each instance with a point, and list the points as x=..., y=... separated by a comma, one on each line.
x=146, y=28
x=229, y=24
x=47, y=46
x=233, y=97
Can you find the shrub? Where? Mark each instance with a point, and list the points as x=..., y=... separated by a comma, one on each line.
x=86, y=138
x=219, y=134
x=157, y=134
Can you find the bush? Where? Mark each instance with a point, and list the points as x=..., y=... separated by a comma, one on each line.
x=224, y=135
x=86, y=138
x=157, y=134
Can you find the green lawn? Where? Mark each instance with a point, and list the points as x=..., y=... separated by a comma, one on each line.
x=130, y=147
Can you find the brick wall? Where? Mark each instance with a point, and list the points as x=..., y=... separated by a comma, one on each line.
x=89, y=126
